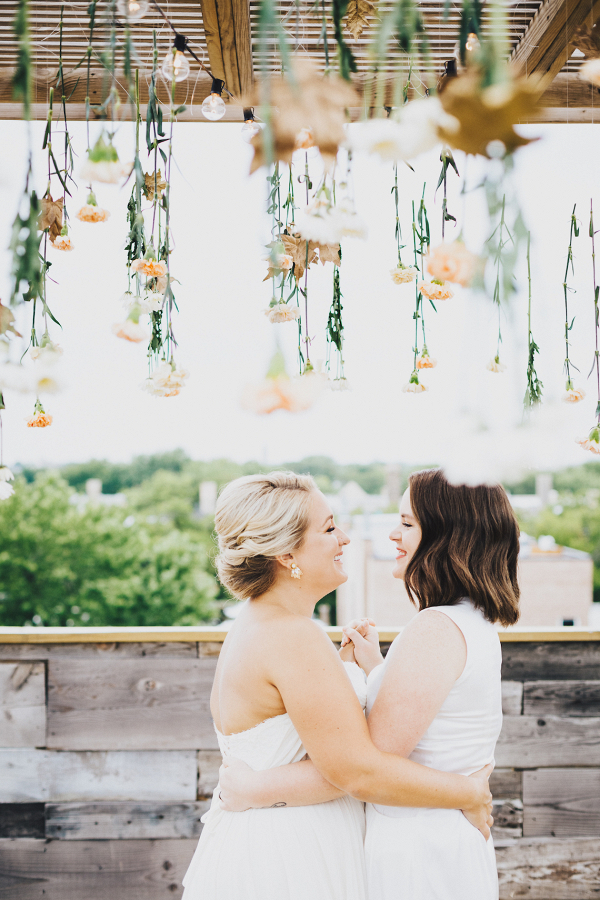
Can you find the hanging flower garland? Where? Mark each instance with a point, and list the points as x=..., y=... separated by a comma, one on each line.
x=572, y=394
x=430, y=290
x=592, y=442
x=533, y=392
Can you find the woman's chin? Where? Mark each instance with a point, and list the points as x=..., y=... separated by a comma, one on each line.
x=398, y=570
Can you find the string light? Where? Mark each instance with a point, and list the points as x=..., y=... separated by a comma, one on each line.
x=175, y=66
x=213, y=106
x=132, y=9
x=250, y=128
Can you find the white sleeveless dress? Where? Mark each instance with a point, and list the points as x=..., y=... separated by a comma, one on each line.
x=292, y=853
x=436, y=854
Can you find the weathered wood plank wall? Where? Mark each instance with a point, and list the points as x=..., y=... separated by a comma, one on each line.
x=108, y=759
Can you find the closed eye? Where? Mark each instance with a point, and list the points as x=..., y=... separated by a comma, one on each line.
x=330, y=529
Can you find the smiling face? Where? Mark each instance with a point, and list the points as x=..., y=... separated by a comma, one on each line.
x=320, y=557
x=407, y=537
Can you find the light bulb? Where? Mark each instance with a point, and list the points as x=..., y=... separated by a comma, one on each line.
x=250, y=129
x=132, y=9
x=213, y=107
x=175, y=66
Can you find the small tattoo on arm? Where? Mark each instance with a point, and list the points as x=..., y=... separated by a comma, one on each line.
x=276, y=805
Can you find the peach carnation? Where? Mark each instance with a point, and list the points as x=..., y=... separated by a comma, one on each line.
x=130, y=331
x=304, y=139
x=166, y=380
x=39, y=419
x=425, y=361
x=592, y=442
x=435, y=290
x=573, y=395
x=452, y=262
x=403, y=274
x=91, y=212
x=62, y=242
x=281, y=312
x=150, y=267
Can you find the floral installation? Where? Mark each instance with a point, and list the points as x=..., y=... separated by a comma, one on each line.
x=413, y=385
x=409, y=131
x=592, y=442
x=166, y=380
x=63, y=241
x=279, y=391
x=300, y=99
x=533, y=392
x=452, y=262
x=495, y=365
x=130, y=329
x=6, y=489
x=103, y=164
x=281, y=311
x=425, y=361
x=40, y=418
x=404, y=274
x=572, y=394
x=91, y=212
x=435, y=290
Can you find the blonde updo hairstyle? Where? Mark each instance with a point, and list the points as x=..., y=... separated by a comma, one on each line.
x=258, y=518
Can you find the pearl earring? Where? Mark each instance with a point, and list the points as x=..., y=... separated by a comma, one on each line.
x=296, y=572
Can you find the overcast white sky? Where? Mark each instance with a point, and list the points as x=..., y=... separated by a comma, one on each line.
x=226, y=341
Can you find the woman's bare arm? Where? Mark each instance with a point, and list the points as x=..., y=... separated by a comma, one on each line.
x=423, y=664
x=297, y=784
x=326, y=713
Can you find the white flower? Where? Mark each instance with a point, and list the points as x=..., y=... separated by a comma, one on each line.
x=412, y=130
x=6, y=490
x=45, y=383
x=403, y=274
x=106, y=171
x=48, y=354
x=5, y=474
x=590, y=71
x=281, y=312
x=166, y=380
x=339, y=384
x=413, y=387
x=495, y=365
x=14, y=377
x=130, y=331
x=154, y=301
x=318, y=223
x=142, y=305
x=326, y=224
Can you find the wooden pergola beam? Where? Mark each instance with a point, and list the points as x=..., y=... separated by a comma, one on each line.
x=227, y=31
x=548, y=43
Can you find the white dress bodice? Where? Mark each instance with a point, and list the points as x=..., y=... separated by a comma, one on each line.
x=296, y=853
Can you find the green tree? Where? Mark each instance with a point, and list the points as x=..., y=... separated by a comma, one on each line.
x=95, y=566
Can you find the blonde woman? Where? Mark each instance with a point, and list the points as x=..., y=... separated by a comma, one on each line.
x=280, y=692
x=437, y=698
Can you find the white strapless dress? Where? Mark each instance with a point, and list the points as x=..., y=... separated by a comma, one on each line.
x=292, y=853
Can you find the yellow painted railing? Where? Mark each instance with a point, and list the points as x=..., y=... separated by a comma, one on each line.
x=218, y=633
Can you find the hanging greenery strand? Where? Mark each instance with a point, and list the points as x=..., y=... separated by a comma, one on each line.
x=533, y=392
x=568, y=364
x=446, y=160
x=335, y=332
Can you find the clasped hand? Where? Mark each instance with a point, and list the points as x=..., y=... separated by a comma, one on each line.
x=360, y=644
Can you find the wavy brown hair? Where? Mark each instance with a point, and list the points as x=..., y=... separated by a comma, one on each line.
x=469, y=547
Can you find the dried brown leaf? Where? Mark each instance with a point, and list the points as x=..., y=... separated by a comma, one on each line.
x=487, y=114
x=329, y=253
x=6, y=321
x=149, y=185
x=302, y=252
x=312, y=101
x=357, y=17
x=51, y=216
